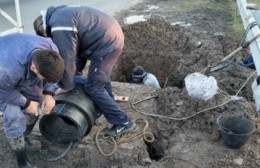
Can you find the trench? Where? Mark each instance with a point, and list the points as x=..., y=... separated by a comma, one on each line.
x=171, y=53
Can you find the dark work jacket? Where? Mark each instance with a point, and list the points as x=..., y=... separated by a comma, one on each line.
x=15, y=59
x=81, y=33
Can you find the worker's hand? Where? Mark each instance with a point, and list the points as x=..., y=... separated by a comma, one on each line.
x=59, y=91
x=256, y=93
x=47, y=104
x=32, y=109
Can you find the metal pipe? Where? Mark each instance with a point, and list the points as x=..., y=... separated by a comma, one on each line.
x=9, y=31
x=17, y=23
x=18, y=15
x=248, y=18
x=8, y=17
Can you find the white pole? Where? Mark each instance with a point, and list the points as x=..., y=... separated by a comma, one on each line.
x=248, y=18
x=18, y=15
x=8, y=17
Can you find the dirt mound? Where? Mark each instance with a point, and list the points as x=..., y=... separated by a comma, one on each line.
x=170, y=52
x=186, y=127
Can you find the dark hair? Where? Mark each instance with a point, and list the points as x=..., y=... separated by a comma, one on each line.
x=38, y=26
x=49, y=64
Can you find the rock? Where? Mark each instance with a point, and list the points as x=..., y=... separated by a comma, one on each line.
x=147, y=161
x=198, y=44
x=238, y=161
x=126, y=146
x=216, y=135
x=114, y=166
x=179, y=103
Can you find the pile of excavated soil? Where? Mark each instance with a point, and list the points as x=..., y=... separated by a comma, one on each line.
x=171, y=53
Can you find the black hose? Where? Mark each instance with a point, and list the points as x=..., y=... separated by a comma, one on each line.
x=60, y=156
x=250, y=26
x=220, y=67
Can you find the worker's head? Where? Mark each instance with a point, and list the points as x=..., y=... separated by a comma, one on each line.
x=38, y=26
x=47, y=64
x=138, y=74
x=246, y=52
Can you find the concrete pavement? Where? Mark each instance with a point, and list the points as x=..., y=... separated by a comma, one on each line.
x=30, y=9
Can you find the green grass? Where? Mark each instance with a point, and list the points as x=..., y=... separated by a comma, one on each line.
x=235, y=24
x=184, y=6
x=257, y=2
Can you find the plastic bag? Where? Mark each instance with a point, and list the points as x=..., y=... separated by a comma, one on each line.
x=200, y=86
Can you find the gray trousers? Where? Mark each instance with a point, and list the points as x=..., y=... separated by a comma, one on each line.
x=15, y=119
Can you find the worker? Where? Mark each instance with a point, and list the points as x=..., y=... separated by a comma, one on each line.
x=140, y=76
x=29, y=66
x=248, y=62
x=83, y=33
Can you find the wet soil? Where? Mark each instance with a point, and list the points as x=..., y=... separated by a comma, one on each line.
x=185, y=129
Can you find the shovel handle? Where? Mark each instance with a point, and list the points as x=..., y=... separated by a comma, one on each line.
x=231, y=54
x=240, y=48
x=252, y=6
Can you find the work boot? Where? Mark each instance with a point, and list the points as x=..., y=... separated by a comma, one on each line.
x=18, y=146
x=118, y=130
x=31, y=145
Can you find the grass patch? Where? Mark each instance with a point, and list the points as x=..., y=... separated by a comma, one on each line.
x=257, y=2
x=236, y=24
x=184, y=6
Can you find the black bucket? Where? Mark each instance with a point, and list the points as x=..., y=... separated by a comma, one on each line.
x=235, y=130
x=72, y=119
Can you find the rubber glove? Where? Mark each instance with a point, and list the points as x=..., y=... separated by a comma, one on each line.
x=256, y=92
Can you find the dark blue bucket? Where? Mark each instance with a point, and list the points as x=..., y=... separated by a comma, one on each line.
x=235, y=130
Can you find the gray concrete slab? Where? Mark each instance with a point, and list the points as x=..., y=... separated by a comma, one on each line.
x=30, y=9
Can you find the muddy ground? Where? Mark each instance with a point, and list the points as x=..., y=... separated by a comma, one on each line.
x=185, y=129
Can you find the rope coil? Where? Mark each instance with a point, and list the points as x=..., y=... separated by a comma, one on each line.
x=147, y=136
